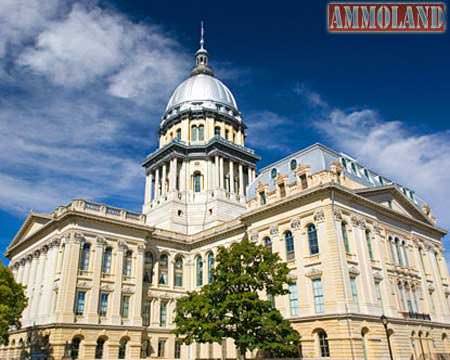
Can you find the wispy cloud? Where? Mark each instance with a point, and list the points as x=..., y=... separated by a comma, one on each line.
x=82, y=91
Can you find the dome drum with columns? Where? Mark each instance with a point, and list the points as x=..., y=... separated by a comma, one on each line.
x=199, y=176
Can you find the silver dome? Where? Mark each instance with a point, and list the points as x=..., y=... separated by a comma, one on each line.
x=202, y=88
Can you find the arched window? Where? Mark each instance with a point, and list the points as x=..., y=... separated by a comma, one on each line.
x=201, y=133
x=324, y=348
x=75, y=348
x=199, y=271
x=145, y=349
x=393, y=253
x=289, y=240
x=99, y=348
x=163, y=269
x=399, y=252
x=106, y=261
x=123, y=348
x=210, y=267
x=312, y=240
x=217, y=131
x=293, y=164
x=405, y=254
x=84, y=259
x=148, y=267
x=345, y=236
x=127, y=263
x=268, y=243
x=273, y=173
x=197, y=181
x=178, y=134
x=369, y=244
x=178, y=273
x=194, y=133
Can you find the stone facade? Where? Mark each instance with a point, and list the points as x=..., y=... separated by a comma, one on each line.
x=103, y=282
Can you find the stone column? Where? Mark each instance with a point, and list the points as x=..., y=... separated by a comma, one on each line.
x=164, y=179
x=221, y=174
x=117, y=294
x=173, y=174
x=157, y=192
x=231, y=167
x=68, y=279
x=148, y=187
x=183, y=176
x=139, y=276
x=19, y=278
x=46, y=303
x=154, y=317
x=217, y=172
x=26, y=283
x=249, y=174
x=92, y=305
x=241, y=181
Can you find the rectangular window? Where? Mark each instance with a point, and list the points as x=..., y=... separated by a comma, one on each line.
x=163, y=314
x=80, y=301
x=293, y=299
x=354, y=290
x=146, y=313
x=177, y=350
x=178, y=278
x=125, y=306
x=304, y=181
x=161, y=347
x=103, y=304
x=282, y=190
x=318, y=295
x=378, y=293
x=262, y=198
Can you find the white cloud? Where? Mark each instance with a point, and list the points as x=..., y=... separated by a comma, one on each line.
x=81, y=98
x=22, y=19
x=418, y=161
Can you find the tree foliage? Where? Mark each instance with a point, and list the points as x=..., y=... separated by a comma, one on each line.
x=12, y=302
x=232, y=306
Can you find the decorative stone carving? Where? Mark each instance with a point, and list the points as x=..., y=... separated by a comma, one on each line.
x=431, y=288
x=100, y=240
x=141, y=248
x=78, y=237
x=296, y=224
x=122, y=245
x=338, y=215
x=106, y=287
x=128, y=290
x=355, y=221
x=83, y=285
x=314, y=273
x=273, y=230
x=377, y=276
x=254, y=236
x=319, y=216
x=353, y=271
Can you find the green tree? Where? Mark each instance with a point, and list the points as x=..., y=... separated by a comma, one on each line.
x=232, y=307
x=12, y=302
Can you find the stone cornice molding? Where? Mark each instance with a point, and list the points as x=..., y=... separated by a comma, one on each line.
x=314, y=273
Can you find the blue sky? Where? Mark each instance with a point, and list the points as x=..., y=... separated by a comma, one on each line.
x=83, y=84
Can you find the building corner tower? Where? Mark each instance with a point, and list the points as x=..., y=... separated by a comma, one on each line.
x=198, y=177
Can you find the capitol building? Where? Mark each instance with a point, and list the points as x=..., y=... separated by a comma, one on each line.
x=365, y=253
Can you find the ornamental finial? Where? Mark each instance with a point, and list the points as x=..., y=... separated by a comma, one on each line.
x=202, y=34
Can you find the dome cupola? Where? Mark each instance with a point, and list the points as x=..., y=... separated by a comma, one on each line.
x=202, y=91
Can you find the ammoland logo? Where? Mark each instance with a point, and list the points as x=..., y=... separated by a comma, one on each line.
x=386, y=17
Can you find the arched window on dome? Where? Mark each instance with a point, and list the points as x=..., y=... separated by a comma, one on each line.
x=217, y=131
x=201, y=133
x=194, y=133
x=178, y=136
x=197, y=181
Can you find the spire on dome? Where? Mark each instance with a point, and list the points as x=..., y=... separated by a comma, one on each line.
x=201, y=56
